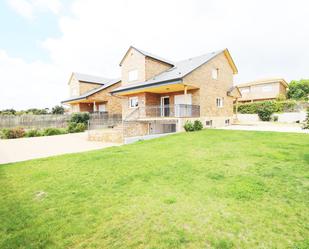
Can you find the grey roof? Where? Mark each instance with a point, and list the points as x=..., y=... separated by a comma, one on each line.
x=93, y=91
x=91, y=78
x=148, y=55
x=154, y=56
x=177, y=72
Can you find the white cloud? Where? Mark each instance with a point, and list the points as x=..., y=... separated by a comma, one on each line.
x=29, y=8
x=22, y=7
x=25, y=85
x=265, y=40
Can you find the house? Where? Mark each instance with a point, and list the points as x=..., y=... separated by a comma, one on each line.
x=267, y=89
x=159, y=95
x=90, y=93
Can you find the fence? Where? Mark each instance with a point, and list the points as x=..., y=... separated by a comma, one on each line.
x=104, y=120
x=99, y=120
x=34, y=121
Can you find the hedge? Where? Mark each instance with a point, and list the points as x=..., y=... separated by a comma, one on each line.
x=277, y=106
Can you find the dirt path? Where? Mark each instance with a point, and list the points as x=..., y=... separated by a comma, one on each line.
x=15, y=150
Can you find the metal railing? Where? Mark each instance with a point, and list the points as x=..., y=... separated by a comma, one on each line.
x=104, y=120
x=178, y=111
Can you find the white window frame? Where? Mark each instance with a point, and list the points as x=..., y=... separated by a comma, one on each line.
x=74, y=91
x=131, y=102
x=133, y=75
x=220, y=102
x=245, y=90
x=267, y=88
x=215, y=73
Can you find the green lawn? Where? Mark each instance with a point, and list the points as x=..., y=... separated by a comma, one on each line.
x=208, y=189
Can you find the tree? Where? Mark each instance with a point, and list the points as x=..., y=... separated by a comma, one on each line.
x=58, y=109
x=299, y=89
x=306, y=125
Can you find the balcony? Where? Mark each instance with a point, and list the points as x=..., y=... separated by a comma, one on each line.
x=165, y=111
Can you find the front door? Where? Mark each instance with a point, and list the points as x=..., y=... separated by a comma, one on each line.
x=165, y=106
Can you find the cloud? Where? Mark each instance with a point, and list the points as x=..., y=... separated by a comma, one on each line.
x=25, y=85
x=22, y=7
x=265, y=40
x=28, y=8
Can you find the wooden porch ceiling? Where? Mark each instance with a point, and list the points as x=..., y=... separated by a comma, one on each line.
x=87, y=101
x=160, y=89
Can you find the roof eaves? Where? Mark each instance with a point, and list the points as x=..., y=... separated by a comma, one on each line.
x=144, y=86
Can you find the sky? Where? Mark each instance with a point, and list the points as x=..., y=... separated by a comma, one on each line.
x=43, y=41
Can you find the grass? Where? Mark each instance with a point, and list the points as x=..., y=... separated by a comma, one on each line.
x=208, y=189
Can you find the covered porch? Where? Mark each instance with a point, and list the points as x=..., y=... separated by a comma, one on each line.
x=88, y=106
x=165, y=101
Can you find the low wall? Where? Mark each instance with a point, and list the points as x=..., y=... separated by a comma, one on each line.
x=106, y=135
x=286, y=117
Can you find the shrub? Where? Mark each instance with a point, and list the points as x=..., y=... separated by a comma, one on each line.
x=299, y=89
x=197, y=125
x=13, y=133
x=33, y=133
x=265, y=111
x=275, y=118
x=76, y=127
x=53, y=131
x=278, y=106
x=188, y=126
x=81, y=117
x=58, y=109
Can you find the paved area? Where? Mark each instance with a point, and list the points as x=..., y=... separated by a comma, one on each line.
x=15, y=150
x=267, y=126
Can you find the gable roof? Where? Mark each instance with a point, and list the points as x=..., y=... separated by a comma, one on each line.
x=147, y=54
x=178, y=71
x=264, y=81
x=90, y=78
x=93, y=91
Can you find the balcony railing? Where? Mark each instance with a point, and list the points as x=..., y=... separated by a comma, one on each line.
x=179, y=110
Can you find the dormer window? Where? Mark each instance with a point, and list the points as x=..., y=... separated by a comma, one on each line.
x=133, y=75
x=215, y=73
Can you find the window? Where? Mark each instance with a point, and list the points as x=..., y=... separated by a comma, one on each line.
x=209, y=123
x=133, y=102
x=214, y=73
x=74, y=91
x=219, y=102
x=133, y=75
x=245, y=90
x=267, y=88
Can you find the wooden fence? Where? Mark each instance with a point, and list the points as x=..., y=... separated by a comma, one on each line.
x=56, y=121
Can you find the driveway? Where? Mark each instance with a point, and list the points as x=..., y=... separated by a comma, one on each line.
x=267, y=126
x=21, y=149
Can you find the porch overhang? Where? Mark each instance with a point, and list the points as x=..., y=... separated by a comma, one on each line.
x=82, y=100
x=158, y=87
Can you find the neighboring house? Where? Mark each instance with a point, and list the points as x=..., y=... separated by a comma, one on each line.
x=267, y=89
x=159, y=96
x=92, y=94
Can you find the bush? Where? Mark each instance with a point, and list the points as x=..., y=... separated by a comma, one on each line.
x=81, y=117
x=278, y=106
x=13, y=133
x=197, y=125
x=33, y=133
x=299, y=89
x=188, y=126
x=58, y=109
x=265, y=111
x=275, y=118
x=76, y=127
x=53, y=131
